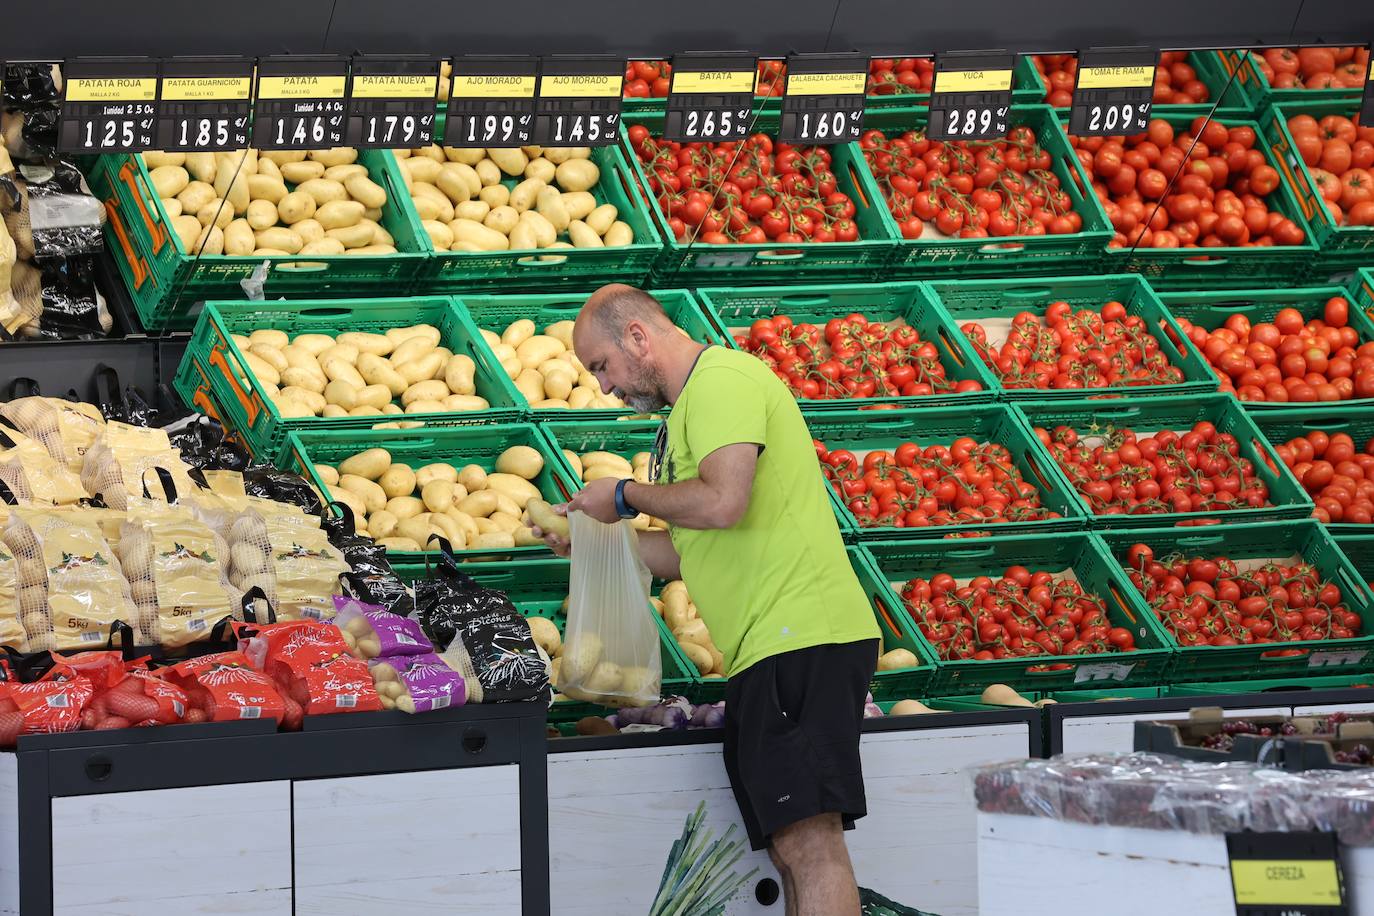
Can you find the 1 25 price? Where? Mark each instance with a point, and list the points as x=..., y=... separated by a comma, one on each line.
x=1123, y=118
x=398, y=130
x=976, y=122
x=117, y=134
x=829, y=125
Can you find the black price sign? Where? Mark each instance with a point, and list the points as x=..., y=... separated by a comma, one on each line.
x=710, y=97
x=1113, y=91
x=206, y=103
x=971, y=96
x=579, y=101
x=1367, y=108
x=491, y=102
x=1286, y=874
x=301, y=102
x=391, y=101
x=823, y=101
x=109, y=105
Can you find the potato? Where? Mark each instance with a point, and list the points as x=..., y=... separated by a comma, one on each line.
x=479, y=504
x=155, y=158
x=339, y=155
x=549, y=204
x=195, y=196
x=296, y=207
x=421, y=368
x=897, y=658
x=543, y=517
x=301, y=172
x=169, y=180
x=287, y=240
x=584, y=236
x=577, y=175
x=487, y=239
x=324, y=191
x=600, y=219
x=426, y=391
x=546, y=635
x=376, y=396
x=239, y=239
x=373, y=496
x=342, y=173
x=365, y=342
x=502, y=219
x=537, y=349
x=579, y=204
x=438, y=471
x=544, y=232
x=187, y=230
x=510, y=161
x=399, y=480
x=404, y=507
x=619, y=234
x=413, y=347
x=341, y=214
x=350, y=499
x=262, y=215
x=493, y=540
x=520, y=460
x=699, y=656
x=525, y=194
x=264, y=187
x=365, y=191
x=370, y=464
x=496, y=195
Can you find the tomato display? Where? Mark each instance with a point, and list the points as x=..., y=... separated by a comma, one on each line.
x=1219, y=198
x=1120, y=473
x=1313, y=68
x=970, y=189
x=1176, y=81
x=900, y=75
x=1340, y=155
x=750, y=192
x=1338, y=475
x=1023, y=613
x=960, y=483
x=1064, y=348
x=850, y=357
x=650, y=79
x=1289, y=358
x=1215, y=601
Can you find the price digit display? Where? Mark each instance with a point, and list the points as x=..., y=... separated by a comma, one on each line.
x=971, y=96
x=823, y=102
x=710, y=97
x=301, y=102
x=109, y=105
x=1367, y=107
x=491, y=102
x=206, y=103
x=1113, y=91
x=391, y=101
x=579, y=101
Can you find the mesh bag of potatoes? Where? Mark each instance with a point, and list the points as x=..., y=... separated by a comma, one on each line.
x=71, y=587
x=33, y=476
x=464, y=203
x=178, y=573
x=292, y=562
x=122, y=463
x=595, y=465
x=544, y=367
x=407, y=509
x=311, y=666
x=246, y=203
x=610, y=642
x=65, y=428
x=11, y=630
x=361, y=374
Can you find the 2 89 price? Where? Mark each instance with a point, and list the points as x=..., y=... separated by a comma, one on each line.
x=1123, y=118
x=976, y=122
x=398, y=130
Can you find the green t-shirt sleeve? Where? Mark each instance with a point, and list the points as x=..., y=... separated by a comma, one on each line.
x=728, y=408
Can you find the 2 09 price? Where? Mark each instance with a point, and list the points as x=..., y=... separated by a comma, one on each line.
x=1125, y=117
x=975, y=122
x=829, y=125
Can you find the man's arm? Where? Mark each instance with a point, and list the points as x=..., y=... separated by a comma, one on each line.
x=717, y=498
x=655, y=549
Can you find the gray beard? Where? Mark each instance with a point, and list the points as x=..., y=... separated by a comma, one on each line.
x=645, y=403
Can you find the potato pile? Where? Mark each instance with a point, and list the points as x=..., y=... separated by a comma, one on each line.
x=464, y=205
x=360, y=374
x=279, y=203
x=544, y=367
x=595, y=465
x=675, y=606
x=402, y=508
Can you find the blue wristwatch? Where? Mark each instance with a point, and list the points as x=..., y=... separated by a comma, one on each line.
x=622, y=508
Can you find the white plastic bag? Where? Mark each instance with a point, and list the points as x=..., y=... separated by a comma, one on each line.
x=610, y=642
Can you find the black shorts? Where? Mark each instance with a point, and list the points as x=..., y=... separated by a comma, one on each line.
x=792, y=736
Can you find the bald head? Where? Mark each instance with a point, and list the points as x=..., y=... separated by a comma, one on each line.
x=610, y=310
x=625, y=338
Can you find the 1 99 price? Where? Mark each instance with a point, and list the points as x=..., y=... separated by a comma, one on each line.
x=976, y=122
x=1123, y=118
x=398, y=130
x=211, y=133
x=492, y=128
x=829, y=125
x=715, y=124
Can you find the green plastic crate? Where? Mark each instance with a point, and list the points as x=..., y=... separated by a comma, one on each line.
x=624, y=437
x=896, y=562
x=699, y=263
x=242, y=403
x=865, y=431
x=1361, y=289
x=1020, y=255
x=1258, y=92
x=975, y=300
x=1211, y=308
x=733, y=309
x=1276, y=685
x=1213, y=75
x=1359, y=549
x=1338, y=246
x=580, y=268
x=538, y=588
x=974, y=702
x=1196, y=268
x=1281, y=426
x=1273, y=540
x=494, y=313
x=1150, y=415
x=458, y=446
x=164, y=280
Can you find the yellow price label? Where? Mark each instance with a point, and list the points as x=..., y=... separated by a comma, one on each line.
x=301, y=87
x=117, y=89
x=206, y=88
x=826, y=83
x=493, y=87
x=709, y=81
x=972, y=80
x=581, y=86
x=1116, y=78
x=1286, y=882
x=394, y=86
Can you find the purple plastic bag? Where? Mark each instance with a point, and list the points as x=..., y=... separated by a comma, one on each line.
x=378, y=633
x=428, y=683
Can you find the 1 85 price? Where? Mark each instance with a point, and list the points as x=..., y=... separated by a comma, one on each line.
x=400, y=130
x=829, y=125
x=207, y=133
x=580, y=128
x=493, y=128
x=976, y=122
x=1124, y=117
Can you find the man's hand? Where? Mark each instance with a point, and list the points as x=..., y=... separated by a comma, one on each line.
x=597, y=499
x=557, y=543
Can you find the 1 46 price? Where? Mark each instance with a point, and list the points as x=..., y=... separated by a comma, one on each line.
x=313, y=129
x=829, y=125
x=398, y=130
x=1125, y=118
x=976, y=122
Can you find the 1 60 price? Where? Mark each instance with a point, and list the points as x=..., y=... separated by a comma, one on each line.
x=975, y=122
x=829, y=125
x=1124, y=117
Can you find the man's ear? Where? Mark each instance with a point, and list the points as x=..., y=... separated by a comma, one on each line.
x=637, y=338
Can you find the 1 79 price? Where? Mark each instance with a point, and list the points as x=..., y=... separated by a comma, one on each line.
x=492, y=128
x=715, y=123
x=976, y=122
x=211, y=133
x=1123, y=117
x=400, y=130
x=829, y=125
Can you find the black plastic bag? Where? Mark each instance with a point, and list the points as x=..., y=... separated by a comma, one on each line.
x=62, y=293
x=372, y=578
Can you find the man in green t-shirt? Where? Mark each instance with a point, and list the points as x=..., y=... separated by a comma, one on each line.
x=752, y=534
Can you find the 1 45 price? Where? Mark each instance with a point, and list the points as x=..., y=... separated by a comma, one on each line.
x=583, y=128
x=976, y=122
x=1124, y=118
x=829, y=125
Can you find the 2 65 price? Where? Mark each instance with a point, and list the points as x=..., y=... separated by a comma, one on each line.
x=1124, y=117
x=714, y=124
x=829, y=125
x=976, y=122
x=400, y=130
